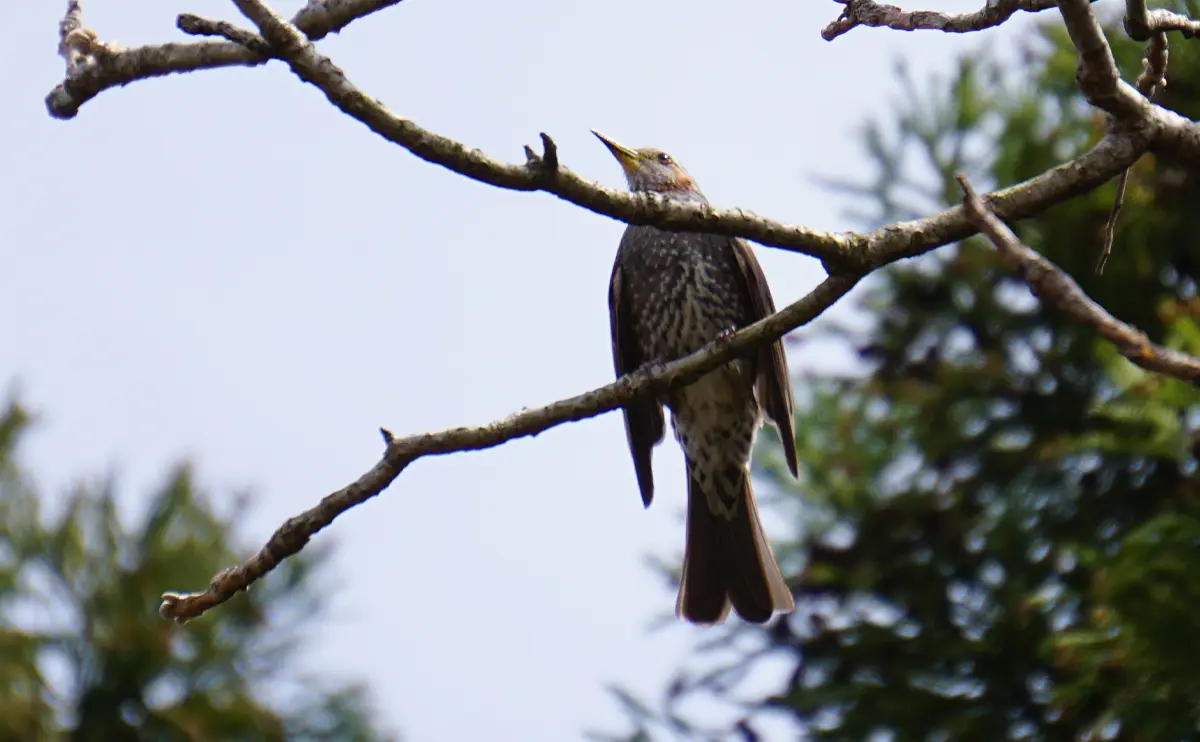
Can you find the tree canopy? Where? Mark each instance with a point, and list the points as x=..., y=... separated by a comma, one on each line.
x=85, y=657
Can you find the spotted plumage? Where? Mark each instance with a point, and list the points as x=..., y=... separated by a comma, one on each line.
x=670, y=295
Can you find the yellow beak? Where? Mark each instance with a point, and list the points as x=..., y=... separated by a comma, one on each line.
x=626, y=156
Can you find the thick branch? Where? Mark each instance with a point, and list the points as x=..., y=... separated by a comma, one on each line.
x=1097, y=73
x=1055, y=288
x=868, y=13
x=295, y=533
x=99, y=73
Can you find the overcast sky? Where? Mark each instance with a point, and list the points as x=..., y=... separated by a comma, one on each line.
x=221, y=266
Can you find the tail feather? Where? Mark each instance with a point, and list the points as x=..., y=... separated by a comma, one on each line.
x=703, y=597
x=728, y=560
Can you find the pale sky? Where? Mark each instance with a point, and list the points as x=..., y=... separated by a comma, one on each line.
x=221, y=266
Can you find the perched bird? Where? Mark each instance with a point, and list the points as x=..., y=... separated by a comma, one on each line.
x=670, y=295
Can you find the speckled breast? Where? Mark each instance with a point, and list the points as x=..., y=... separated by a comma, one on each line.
x=682, y=289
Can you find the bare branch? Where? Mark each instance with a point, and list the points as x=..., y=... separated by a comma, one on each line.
x=99, y=72
x=868, y=13
x=1142, y=23
x=1049, y=284
x=295, y=533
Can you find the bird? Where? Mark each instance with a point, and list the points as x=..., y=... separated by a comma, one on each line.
x=670, y=294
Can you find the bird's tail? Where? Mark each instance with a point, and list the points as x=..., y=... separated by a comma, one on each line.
x=727, y=559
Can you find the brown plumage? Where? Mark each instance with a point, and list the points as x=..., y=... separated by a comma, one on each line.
x=671, y=294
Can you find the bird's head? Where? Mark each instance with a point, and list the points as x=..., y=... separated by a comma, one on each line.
x=650, y=169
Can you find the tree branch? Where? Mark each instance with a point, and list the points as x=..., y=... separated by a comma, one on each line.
x=92, y=73
x=868, y=13
x=295, y=533
x=1054, y=287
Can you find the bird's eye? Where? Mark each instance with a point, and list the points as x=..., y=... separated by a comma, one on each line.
x=664, y=158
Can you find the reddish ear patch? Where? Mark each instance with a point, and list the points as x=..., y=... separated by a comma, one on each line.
x=682, y=182
x=685, y=183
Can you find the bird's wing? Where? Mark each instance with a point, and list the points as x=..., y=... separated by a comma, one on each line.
x=643, y=416
x=774, y=383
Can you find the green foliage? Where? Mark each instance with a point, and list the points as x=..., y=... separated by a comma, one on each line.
x=84, y=655
x=1000, y=518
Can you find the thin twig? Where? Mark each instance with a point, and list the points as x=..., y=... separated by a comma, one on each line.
x=1055, y=288
x=295, y=533
x=1110, y=226
x=868, y=13
x=1149, y=83
x=197, y=26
